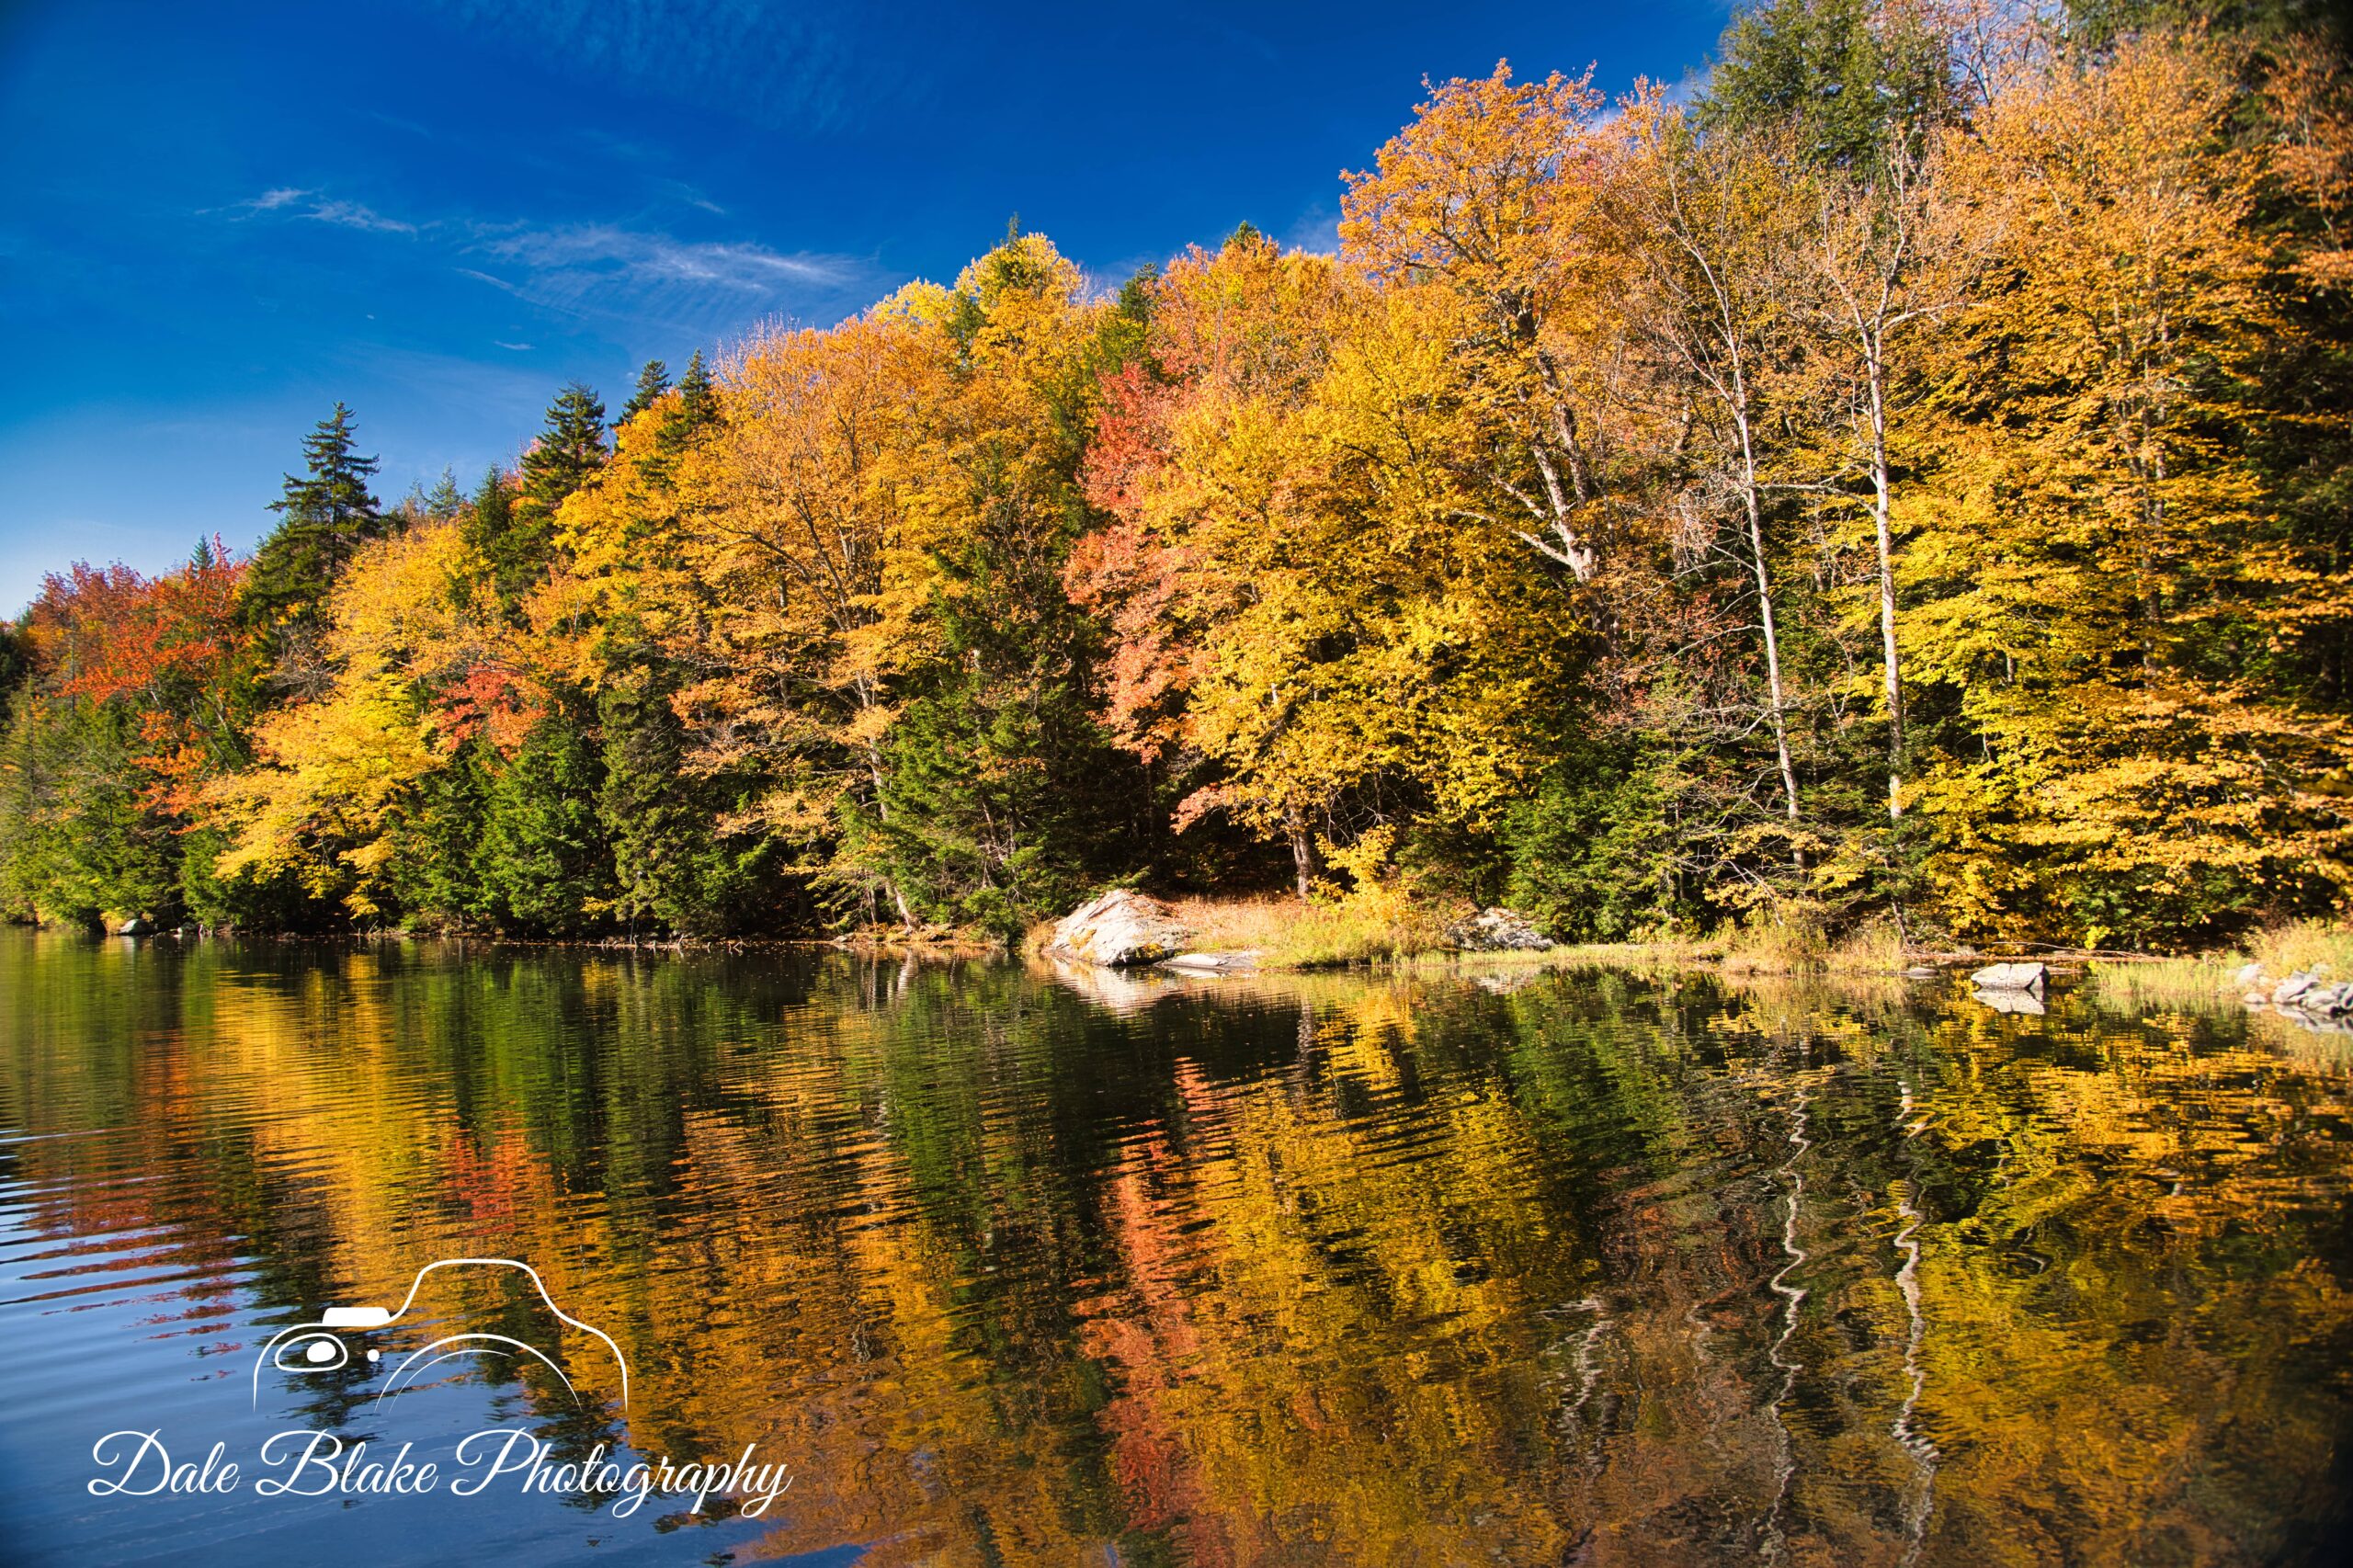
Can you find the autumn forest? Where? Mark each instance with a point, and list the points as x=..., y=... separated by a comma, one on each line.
x=1907, y=483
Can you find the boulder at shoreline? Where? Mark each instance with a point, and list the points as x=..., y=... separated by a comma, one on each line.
x=1498, y=930
x=1118, y=930
x=2011, y=977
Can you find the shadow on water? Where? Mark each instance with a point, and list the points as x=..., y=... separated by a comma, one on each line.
x=1018, y=1266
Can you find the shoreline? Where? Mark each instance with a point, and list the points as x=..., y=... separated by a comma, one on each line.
x=2214, y=972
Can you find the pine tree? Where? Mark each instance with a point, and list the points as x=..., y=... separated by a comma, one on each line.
x=569, y=451
x=438, y=865
x=652, y=382
x=674, y=868
x=514, y=530
x=488, y=517
x=1837, y=72
x=698, y=401
x=326, y=514
x=444, y=502
x=547, y=868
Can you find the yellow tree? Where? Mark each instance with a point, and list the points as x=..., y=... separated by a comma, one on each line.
x=1885, y=264
x=330, y=774
x=2092, y=577
x=791, y=517
x=1200, y=469
x=1502, y=194
x=1301, y=610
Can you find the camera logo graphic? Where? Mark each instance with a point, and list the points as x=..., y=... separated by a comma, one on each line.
x=323, y=1345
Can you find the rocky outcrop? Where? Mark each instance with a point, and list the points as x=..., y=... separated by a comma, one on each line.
x=2305, y=997
x=137, y=926
x=2011, y=977
x=1118, y=930
x=1497, y=931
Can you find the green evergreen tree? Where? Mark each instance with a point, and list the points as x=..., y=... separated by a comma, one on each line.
x=326, y=514
x=438, y=872
x=444, y=501
x=570, y=450
x=698, y=407
x=2098, y=23
x=77, y=843
x=547, y=868
x=15, y=666
x=513, y=528
x=674, y=868
x=652, y=382
x=489, y=518
x=1841, y=73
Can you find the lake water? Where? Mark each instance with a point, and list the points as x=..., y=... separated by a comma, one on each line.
x=1000, y=1267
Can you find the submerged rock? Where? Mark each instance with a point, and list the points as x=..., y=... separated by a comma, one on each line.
x=1240, y=962
x=1121, y=928
x=2011, y=977
x=1498, y=930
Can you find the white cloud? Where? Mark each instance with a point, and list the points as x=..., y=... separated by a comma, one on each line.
x=648, y=276
x=641, y=276
x=656, y=257
x=352, y=215
x=292, y=202
x=1317, y=230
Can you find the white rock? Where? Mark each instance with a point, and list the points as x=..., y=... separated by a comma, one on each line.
x=1214, y=964
x=2290, y=989
x=2250, y=974
x=1498, y=930
x=2325, y=999
x=1121, y=928
x=2011, y=977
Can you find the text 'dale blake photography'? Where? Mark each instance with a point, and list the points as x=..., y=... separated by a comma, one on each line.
x=1475, y=786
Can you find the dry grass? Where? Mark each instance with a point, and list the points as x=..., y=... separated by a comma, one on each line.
x=1672, y=952
x=2211, y=980
x=1233, y=924
x=1394, y=933
x=2307, y=944
x=1789, y=947
x=1288, y=934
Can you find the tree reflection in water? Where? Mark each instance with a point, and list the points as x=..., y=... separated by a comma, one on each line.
x=1597, y=1268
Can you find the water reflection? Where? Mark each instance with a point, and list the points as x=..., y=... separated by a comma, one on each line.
x=1569, y=1269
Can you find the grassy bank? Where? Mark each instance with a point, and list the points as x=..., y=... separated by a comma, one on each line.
x=1389, y=934
x=2212, y=978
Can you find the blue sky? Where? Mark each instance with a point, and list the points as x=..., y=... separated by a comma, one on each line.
x=222, y=219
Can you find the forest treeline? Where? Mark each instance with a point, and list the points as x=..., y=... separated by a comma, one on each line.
x=1911, y=482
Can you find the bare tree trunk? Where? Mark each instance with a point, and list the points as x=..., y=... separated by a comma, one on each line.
x=1894, y=668
x=1777, y=704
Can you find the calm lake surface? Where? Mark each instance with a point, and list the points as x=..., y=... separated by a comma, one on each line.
x=1006, y=1270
